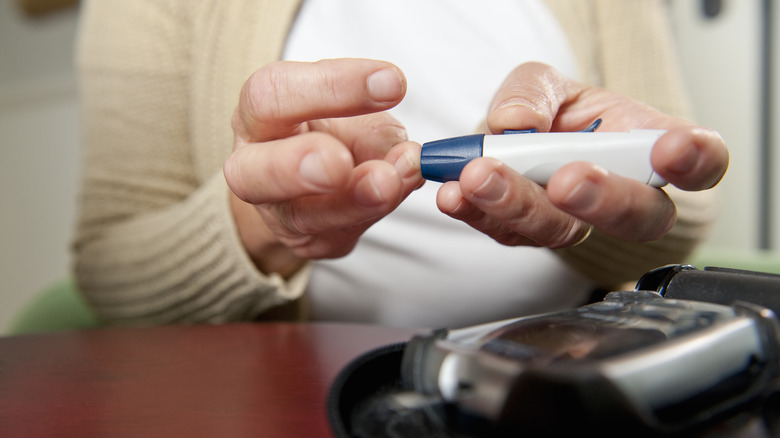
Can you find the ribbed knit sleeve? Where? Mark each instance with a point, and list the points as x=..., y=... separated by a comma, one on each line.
x=627, y=47
x=156, y=242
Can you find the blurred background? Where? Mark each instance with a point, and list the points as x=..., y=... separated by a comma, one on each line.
x=39, y=147
x=730, y=59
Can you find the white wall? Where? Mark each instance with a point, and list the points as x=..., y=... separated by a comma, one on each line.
x=775, y=135
x=39, y=153
x=721, y=62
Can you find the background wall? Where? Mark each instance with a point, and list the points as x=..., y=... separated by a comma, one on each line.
x=722, y=54
x=774, y=125
x=39, y=153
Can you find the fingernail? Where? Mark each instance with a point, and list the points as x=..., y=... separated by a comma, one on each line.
x=312, y=170
x=582, y=196
x=407, y=165
x=367, y=193
x=516, y=102
x=586, y=192
x=686, y=161
x=385, y=85
x=493, y=189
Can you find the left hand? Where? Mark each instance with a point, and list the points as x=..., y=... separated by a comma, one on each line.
x=503, y=204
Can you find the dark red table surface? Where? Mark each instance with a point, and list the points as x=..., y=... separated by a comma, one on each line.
x=236, y=380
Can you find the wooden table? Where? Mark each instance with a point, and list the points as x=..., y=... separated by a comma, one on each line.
x=260, y=380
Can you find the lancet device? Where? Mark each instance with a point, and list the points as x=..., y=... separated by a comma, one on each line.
x=538, y=155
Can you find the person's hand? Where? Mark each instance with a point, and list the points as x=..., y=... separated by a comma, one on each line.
x=316, y=161
x=498, y=201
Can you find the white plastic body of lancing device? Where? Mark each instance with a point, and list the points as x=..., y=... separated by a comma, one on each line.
x=538, y=155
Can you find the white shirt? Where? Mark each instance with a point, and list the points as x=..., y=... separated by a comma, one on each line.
x=418, y=267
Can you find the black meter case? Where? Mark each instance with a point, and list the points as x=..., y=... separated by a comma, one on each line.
x=661, y=360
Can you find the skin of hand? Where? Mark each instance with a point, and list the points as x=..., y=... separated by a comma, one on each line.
x=501, y=203
x=316, y=159
x=316, y=162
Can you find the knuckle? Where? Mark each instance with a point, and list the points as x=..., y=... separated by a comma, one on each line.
x=567, y=234
x=237, y=124
x=327, y=84
x=261, y=93
x=263, y=97
x=544, y=224
x=233, y=177
x=301, y=224
x=286, y=225
x=508, y=238
x=320, y=247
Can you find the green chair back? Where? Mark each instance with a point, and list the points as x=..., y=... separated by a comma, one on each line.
x=59, y=307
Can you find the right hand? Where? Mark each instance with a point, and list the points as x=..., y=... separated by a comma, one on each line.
x=316, y=160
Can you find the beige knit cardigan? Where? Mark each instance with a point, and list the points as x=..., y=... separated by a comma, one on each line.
x=159, y=80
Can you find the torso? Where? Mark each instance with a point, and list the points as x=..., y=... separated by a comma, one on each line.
x=454, y=58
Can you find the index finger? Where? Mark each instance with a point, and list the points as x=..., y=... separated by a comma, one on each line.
x=279, y=97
